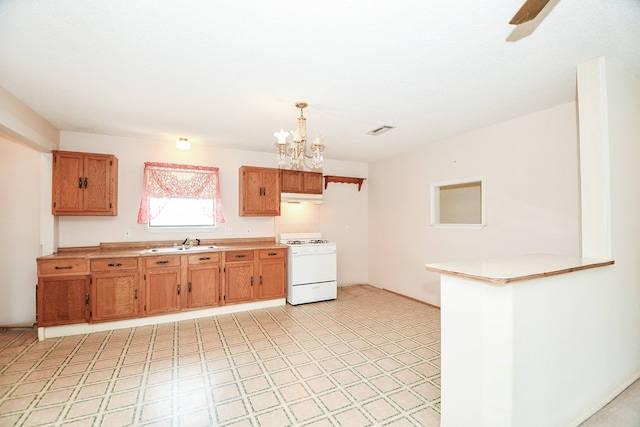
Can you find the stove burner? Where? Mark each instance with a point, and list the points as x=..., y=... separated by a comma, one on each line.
x=307, y=242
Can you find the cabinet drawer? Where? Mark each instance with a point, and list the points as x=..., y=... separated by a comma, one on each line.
x=271, y=253
x=205, y=258
x=114, y=264
x=161, y=262
x=238, y=256
x=67, y=266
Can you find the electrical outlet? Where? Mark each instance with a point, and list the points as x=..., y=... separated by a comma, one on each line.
x=127, y=233
x=248, y=230
x=228, y=231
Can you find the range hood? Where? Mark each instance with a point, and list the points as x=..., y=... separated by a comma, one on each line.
x=301, y=198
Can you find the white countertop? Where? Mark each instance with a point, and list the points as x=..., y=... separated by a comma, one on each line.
x=511, y=269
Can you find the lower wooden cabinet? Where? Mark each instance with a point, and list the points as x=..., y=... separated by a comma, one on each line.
x=203, y=280
x=62, y=294
x=114, y=289
x=62, y=300
x=272, y=273
x=239, y=270
x=79, y=290
x=163, y=284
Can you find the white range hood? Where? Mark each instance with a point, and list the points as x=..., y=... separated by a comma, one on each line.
x=301, y=198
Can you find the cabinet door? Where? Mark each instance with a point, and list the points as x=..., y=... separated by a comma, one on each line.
x=203, y=286
x=162, y=291
x=68, y=174
x=291, y=181
x=62, y=300
x=250, y=191
x=312, y=183
x=97, y=183
x=239, y=282
x=271, y=192
x=273, y=279
x=114, y=296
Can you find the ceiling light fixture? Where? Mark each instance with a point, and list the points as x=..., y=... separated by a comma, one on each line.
x=292, y=154
x=183, y=144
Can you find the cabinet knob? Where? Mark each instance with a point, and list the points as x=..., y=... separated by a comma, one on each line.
x=66, y=267
x=241, y=256
x=162, y=262
x=115, y=264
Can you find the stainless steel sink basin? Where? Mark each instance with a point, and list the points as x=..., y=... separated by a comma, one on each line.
x=181, y=248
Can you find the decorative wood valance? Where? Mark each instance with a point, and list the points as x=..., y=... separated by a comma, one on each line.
x=343, y=180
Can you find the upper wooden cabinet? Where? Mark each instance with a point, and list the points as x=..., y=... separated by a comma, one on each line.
x=259, y=191
x=301, y=182
x=84, y=184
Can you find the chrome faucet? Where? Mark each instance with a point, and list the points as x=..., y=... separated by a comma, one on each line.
x=185, y=241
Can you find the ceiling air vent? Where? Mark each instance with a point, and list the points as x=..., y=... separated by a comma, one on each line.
x=380, y=130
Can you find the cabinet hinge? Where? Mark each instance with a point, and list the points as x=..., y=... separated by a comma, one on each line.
x=145, y=308
x=110, y=162
x=54, y=204
x=110, y=206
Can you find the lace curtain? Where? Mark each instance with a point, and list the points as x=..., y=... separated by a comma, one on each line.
x=163, y=180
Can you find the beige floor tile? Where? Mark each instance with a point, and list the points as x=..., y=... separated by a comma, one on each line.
x=370, y=357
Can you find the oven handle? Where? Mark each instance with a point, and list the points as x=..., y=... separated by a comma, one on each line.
x=314, y=253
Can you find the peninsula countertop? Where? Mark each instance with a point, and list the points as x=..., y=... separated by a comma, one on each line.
x=502, y=271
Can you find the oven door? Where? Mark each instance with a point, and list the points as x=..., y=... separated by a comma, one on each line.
x=306, y=268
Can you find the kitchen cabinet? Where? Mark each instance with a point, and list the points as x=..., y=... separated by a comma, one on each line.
x=84, y=184
x=163, y=284
x=114, y=289
x=239, y=271
x=259, y=191
x=301, y=182
x=203, y=280
x=272, y=273
x=89, y=285
x=62, y=294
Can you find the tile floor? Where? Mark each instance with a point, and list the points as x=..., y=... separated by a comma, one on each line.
x=368, y=358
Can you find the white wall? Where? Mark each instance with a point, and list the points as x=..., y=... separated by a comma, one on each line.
x=20, y=230
x=610, y=147
x=342, y=206
x=531, y=169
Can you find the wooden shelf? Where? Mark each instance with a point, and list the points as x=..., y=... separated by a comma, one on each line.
x=343, y=180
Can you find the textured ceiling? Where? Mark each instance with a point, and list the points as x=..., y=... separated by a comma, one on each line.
x=228, y=73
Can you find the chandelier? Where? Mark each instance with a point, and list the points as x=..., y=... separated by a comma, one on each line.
x=293, y=153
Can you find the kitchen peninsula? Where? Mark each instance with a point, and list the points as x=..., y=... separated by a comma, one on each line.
x=517, y=339
x=118, y=285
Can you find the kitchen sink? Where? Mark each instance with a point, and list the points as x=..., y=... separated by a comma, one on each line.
x=181, y=248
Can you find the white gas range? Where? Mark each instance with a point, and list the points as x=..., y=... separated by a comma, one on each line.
x=311, y=268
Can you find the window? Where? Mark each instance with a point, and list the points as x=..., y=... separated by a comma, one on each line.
x=180, y=196
x=458, y=203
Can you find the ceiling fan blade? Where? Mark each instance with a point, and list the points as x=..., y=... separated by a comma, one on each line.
x=529, y=10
